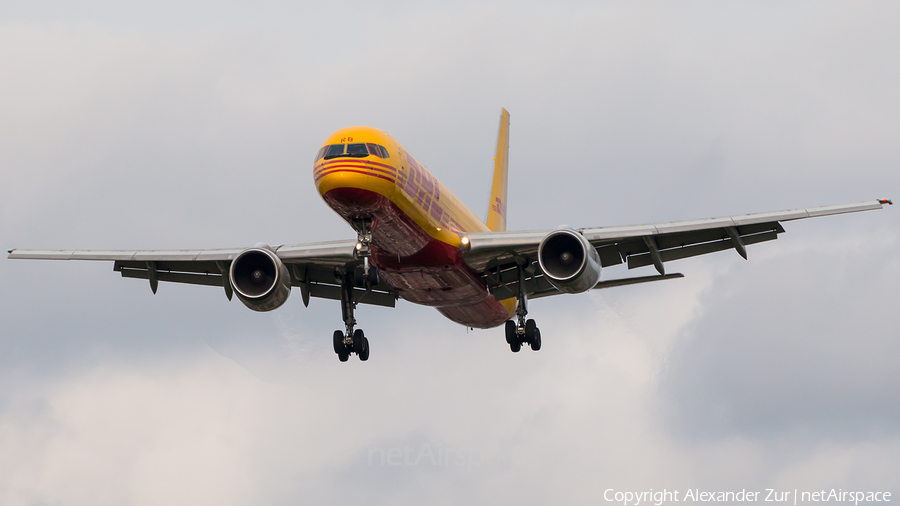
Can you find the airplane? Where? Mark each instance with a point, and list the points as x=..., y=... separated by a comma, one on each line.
x=417, y=242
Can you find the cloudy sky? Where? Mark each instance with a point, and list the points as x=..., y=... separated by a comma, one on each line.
x=194, y=126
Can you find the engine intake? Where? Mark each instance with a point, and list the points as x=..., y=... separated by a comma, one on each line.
x=260, y=279
x=568, y=261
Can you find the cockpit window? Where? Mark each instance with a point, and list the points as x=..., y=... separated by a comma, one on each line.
x=334, y=150
x=377, y=150
x=358, y=150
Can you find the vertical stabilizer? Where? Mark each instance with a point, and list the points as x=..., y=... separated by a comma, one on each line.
x=496, y=218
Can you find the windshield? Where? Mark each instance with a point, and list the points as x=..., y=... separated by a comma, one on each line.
x=334, y=150
x=356, y=150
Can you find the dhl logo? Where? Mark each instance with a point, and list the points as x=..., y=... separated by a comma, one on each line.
x=423, y=188
x=499, y=207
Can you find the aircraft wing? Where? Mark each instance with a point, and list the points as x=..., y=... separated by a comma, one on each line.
x=497, y=254
x=314, y=268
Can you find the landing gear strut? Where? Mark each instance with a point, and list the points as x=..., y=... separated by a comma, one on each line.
x=352, y=340
x=522, y=331
x=365, y=275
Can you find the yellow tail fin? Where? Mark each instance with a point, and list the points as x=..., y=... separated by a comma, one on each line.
x=496, y=218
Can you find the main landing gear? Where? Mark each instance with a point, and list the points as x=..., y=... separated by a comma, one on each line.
x=522, y=331
x=352, y=340
x=519, y=334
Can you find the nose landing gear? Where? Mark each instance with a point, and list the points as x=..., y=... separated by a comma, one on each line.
x=365, y=275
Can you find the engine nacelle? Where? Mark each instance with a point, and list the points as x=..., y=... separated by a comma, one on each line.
x=260, y=279
x=568, y=261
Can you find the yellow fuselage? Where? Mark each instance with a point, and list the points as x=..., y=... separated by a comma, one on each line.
x=417, y=224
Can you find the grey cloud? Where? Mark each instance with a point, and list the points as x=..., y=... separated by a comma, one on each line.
x=125, y=128
x=770, y=356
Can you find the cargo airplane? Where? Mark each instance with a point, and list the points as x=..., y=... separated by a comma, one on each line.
x=416, y=241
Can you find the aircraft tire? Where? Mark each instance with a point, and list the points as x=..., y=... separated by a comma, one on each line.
x=515, y=346
x=373, y=278
x=510, y=332
x=365, y=353
x=359, y=277
x=536, y=341
x=530, y=327
x=338, y=341
x=359, y=341
x=343, y=357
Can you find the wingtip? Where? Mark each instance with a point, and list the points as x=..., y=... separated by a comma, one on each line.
x=886, y=201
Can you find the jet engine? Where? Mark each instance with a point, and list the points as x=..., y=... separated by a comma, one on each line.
x=260, y=279
x=568, y=261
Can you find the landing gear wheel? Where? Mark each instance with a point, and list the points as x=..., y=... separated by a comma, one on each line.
x=511, y=332
x=365, y=353
x=530, y=327
x=338, y=342
x=359, y=341
x=515, y=346
x=536, y=341
x=343, y=356
x=359, y=277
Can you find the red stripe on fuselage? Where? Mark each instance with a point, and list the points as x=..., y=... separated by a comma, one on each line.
x=365, y=173
x=354, y=159
x=361, y=163
x=334, y=168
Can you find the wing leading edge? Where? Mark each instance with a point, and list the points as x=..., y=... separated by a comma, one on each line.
x=315, y=268
x=498, y=254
